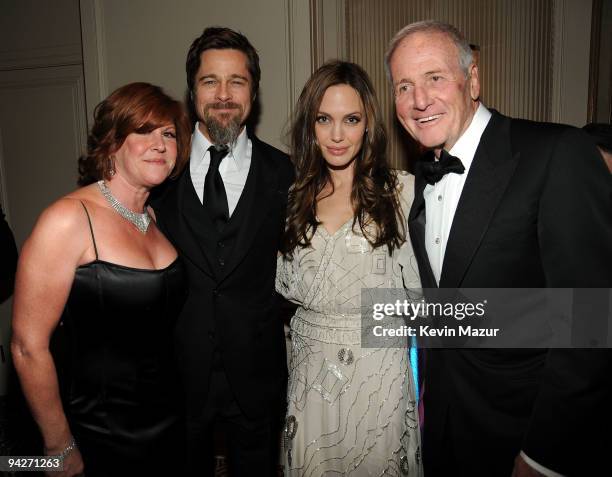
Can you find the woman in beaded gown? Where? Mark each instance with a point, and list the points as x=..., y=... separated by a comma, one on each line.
x=351, y=410
x=98, y=275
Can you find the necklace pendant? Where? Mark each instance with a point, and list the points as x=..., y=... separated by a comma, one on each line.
x=140, y=221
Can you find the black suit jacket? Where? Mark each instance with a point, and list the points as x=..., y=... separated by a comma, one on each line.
x=232, y=307
x=535, y=211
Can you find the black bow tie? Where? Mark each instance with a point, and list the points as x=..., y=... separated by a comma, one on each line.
x=433, y=171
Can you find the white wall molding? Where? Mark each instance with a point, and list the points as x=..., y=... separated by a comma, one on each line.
x=36, y=34
x=57, y=55
x=77, y=94
x=94, y=54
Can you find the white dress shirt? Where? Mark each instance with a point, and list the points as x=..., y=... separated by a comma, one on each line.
x=441, y=199
x=234, y=168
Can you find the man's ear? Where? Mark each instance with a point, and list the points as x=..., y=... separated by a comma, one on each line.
x=474, y=81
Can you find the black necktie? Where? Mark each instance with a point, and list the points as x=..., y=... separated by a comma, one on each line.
x=433, y=171
x=215, y=199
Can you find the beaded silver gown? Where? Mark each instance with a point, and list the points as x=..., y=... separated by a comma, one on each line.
x=351, y=410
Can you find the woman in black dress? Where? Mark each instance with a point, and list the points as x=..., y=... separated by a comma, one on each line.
x=98, y=276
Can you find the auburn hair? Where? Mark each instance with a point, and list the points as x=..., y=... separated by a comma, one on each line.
x=133, y=108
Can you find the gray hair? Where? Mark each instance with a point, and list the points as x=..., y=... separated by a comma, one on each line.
x=432, y=26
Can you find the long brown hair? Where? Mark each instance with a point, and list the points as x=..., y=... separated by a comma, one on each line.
x=374, y=194
x=135, y=107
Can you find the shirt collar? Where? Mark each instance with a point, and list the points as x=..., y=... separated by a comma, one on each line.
x=200, y=145
x=466, y=145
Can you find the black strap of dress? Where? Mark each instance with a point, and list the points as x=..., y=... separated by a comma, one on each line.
x=93, y=238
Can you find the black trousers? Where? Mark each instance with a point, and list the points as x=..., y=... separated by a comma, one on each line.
x=252, y=444
x=452, y=454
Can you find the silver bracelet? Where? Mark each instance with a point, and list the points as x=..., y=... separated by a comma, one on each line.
x=67, y=450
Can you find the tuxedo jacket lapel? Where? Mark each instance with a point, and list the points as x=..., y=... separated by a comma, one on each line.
x=488, y=177
x=264, y=180
x=416, y=228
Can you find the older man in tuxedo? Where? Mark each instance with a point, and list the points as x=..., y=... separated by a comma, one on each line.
x=226, y=215
x=501, y=203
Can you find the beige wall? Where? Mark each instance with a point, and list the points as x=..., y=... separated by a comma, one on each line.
x=147, y=40
x=479, y=19
x=534, y=54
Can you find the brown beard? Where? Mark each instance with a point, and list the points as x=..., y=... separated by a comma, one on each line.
x=226, y=130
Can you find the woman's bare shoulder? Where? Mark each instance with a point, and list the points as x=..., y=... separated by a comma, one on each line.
x=87, y=194
x=65, y=219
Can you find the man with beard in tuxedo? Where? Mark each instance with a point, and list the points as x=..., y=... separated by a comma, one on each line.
x=225, y=215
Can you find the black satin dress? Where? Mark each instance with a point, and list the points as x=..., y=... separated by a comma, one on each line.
x=116, y=366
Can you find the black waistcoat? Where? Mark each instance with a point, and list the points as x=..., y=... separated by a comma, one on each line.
x=220, y=243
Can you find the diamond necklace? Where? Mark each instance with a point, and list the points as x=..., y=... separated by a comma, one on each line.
x=141, y=221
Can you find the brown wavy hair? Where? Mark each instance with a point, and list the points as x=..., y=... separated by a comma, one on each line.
x=135, y=107
x=374, y=194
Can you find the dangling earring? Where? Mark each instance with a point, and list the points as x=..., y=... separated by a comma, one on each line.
x=111, y=166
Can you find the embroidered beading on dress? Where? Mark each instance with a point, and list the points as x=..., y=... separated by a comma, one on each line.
x=356, y=405
x=340, y=329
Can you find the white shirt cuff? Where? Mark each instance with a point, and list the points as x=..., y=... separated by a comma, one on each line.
x=540, y=468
